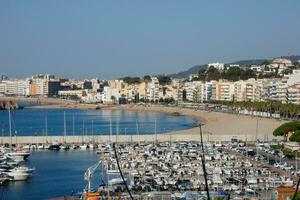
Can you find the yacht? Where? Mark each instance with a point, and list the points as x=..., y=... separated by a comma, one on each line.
x=18, y=176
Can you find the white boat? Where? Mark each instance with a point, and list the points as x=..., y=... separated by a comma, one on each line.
x=18, y=176
x=112, y=171
x=116, y=181
x=83, y=146
x=23, y=169
x=19, y=154
x=91, y=146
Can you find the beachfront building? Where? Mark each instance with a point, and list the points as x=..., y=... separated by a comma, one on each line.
x=210, y=91
x=110, y=95
x=192, y=91
x=153, y=89
x=44, y=85
x=293, y=93
x=11, y=87
x=224, y=90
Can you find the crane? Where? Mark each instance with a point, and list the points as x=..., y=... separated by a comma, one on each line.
x=89, y=174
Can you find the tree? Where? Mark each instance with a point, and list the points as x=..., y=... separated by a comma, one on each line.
x=131, y=80
x=212, y=74
x=285, y=128
x=163, y=79
x=147, y=78
x=113, y=98
x=295, y=137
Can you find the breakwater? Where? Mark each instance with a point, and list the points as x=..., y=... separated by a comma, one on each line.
x=129, y=138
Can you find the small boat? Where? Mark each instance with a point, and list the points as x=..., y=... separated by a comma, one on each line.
x=112, y=171
x=116, y=181
x=83, y=146
x=18, y=176
x=65, y=147
x=23, y=169
x=54, y=146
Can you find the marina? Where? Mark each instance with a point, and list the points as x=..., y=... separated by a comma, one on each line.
x=168, y=170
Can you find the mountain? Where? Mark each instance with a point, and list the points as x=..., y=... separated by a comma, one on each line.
x=249, y=62
x=195, y=69
x=184, y=74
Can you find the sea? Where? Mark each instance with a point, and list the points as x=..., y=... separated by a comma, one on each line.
x=38, y=122
x=60, y=173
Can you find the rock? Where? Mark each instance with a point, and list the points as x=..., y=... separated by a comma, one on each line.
x=6, y=105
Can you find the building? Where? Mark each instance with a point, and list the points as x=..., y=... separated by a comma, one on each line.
x=153, y=89
x=217, y=65
x=224, y=90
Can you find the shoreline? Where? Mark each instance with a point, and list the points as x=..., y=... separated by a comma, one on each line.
x=216, y=124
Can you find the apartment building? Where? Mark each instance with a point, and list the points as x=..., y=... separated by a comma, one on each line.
x=224, y=90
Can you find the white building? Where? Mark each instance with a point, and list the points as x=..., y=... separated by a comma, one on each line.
x=110, y=95
x=217, y=65
x=153, y=89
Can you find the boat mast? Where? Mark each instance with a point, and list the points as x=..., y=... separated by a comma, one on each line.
x=110, y=130
x=93, y=131
x=46, y=129
x=117, y=129
x=82, y=131
x=73, y=125
x=137, y=131
x=10, y=130
x=65, y=127
x=155, y=130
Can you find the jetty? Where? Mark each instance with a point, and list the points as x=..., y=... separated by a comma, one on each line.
x=79, y=139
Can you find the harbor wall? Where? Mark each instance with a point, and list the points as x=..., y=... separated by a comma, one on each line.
x=129, y=138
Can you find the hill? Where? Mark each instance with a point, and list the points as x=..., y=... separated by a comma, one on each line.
x=195, y=69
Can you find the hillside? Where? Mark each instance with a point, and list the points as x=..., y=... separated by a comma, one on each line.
x=195, y=69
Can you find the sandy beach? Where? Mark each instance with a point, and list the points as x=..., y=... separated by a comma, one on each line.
x=217, y=125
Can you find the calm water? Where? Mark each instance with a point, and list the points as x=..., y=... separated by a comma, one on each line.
x=97, y=122
x=57, y=174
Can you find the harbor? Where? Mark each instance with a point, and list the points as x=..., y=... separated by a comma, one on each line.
x=165, y=170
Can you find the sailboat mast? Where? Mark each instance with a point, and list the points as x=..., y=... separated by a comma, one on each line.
x=10, y=129
x=110, y=130
x=155, y=130
x=117, y=129
x=137, y=131
x=46, y=128
x=65, y=127
x=73, y=125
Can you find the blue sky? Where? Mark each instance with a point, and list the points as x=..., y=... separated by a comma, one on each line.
x=111, y=39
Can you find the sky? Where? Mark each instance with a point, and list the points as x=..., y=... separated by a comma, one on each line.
x=112, y=39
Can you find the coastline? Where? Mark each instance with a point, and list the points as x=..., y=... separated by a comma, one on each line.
x=217, y=126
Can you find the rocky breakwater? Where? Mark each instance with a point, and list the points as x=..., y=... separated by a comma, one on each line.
x=6, y=105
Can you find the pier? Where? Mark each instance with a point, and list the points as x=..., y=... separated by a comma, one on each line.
x=130, y=138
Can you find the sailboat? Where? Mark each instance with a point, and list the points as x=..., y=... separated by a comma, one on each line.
x=18, y=153
x=65, y=146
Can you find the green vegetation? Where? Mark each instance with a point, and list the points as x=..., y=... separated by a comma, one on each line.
x=166, y=100
x=275, y=146
x=163, y=80
x=295, y=137
x=297, y=196
x=147, y=78
x=290, y=111
x=285, y=128
x=231, y=74
x=131, y=80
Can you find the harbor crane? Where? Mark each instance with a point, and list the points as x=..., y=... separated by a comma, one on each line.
x=89, y=174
